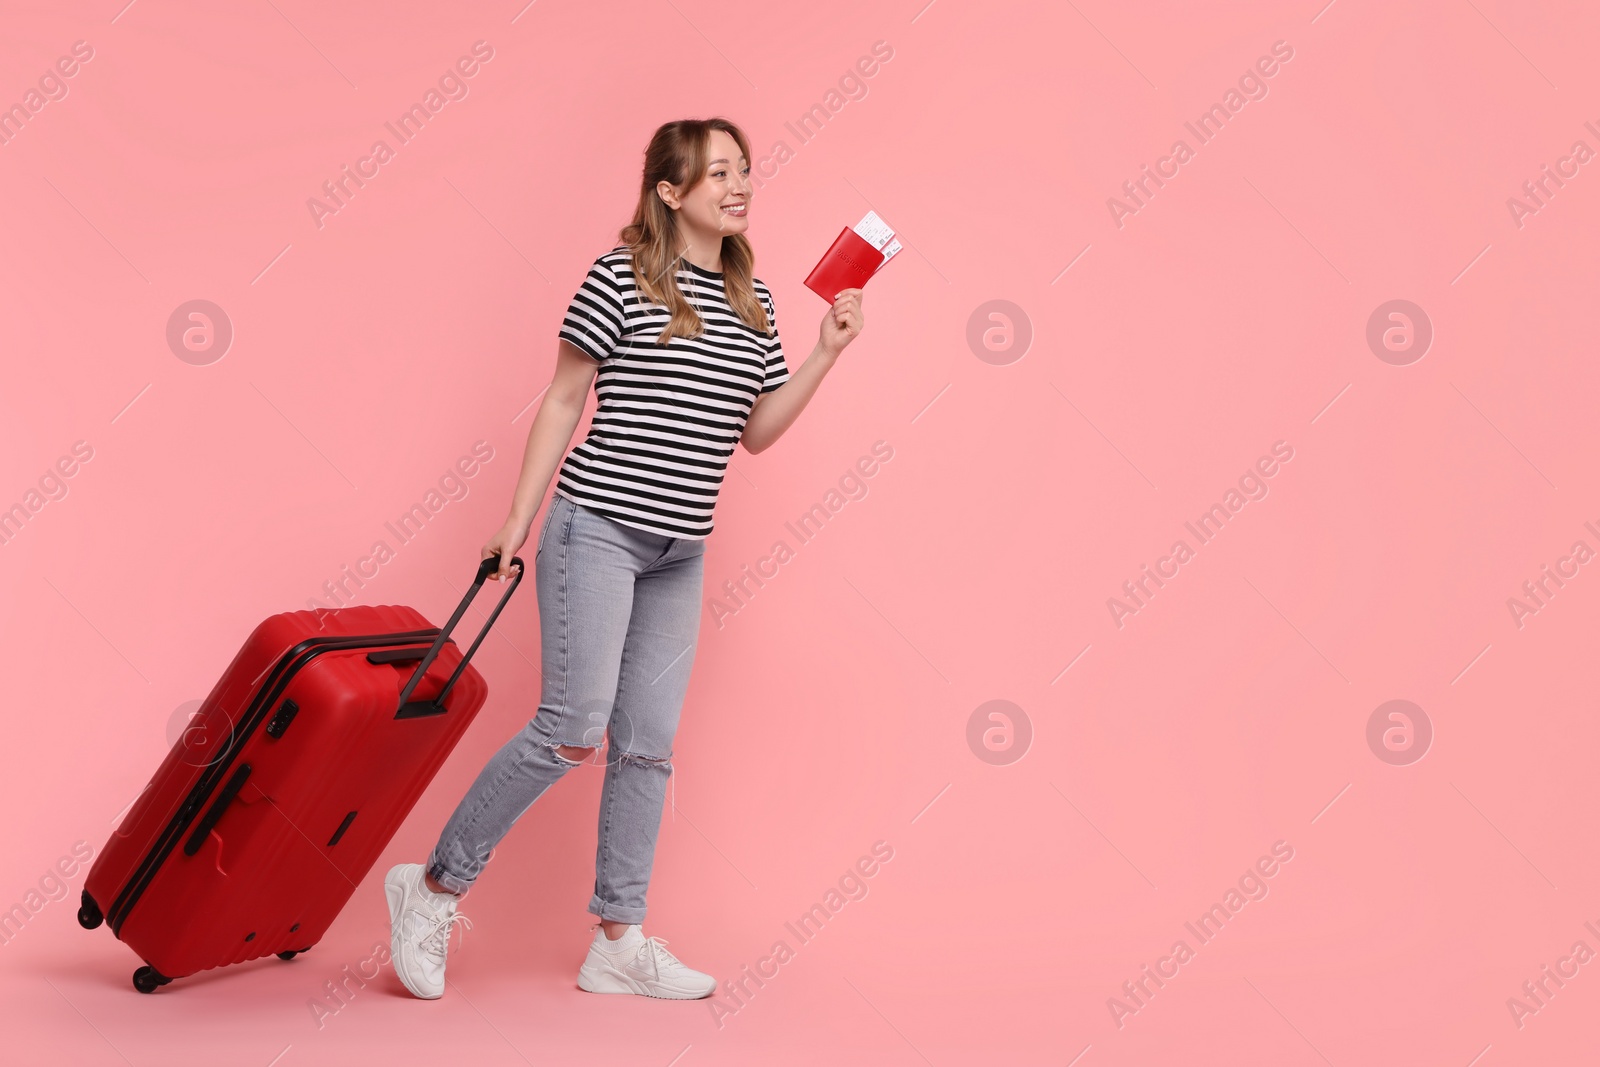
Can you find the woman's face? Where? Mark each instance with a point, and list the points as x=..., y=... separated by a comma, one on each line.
x=719, y=203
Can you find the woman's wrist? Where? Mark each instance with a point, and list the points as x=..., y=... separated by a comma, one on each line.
x=821, y=352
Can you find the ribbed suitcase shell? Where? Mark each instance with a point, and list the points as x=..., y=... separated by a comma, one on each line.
x=319, y=804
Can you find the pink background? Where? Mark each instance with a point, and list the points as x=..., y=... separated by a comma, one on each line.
x=1164, y=756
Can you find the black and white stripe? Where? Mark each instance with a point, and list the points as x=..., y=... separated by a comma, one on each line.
x=668, y=416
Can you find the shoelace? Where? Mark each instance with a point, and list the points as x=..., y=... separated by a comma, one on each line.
x=655, y=948
x=437, y=941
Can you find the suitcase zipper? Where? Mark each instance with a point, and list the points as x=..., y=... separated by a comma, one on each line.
x=266, y=696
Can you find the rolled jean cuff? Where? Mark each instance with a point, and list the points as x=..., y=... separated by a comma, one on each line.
x=613, y=912
x=437, y=871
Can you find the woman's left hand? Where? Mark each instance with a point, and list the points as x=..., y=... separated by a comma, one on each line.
x=842, y=323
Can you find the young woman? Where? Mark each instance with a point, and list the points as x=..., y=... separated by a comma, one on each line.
x=681, y=341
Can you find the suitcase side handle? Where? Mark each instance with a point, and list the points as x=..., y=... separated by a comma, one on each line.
x=218, y=806
x=396, y=655
x=413, y=708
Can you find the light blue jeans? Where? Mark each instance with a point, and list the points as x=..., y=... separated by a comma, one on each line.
x=619, y=617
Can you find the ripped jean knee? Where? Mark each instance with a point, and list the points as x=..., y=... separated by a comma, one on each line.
x=645, y=759
x=612, y=756
x=556, y=747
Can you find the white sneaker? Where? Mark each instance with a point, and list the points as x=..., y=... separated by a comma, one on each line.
x=421, y=921
x=634, y=963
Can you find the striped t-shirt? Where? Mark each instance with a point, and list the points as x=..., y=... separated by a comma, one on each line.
x=669, y=416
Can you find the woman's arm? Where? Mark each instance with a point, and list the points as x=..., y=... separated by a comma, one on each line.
x=548, y=439
x=774, y=412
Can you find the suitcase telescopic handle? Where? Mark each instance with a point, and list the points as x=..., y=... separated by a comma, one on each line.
x=412, y=708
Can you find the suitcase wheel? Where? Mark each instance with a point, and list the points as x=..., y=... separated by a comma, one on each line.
x=147, y=979
x=89, y=915
x=291, y=954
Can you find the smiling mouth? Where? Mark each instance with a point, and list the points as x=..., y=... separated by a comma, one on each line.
x=736, y=210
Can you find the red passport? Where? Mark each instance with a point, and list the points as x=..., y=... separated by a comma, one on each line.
x=847, y=264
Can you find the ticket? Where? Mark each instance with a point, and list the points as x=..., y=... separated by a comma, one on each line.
x=888, y=252
x=874, y=230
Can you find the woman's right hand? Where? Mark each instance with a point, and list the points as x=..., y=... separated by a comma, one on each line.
x=505, y=543
x=841, y=323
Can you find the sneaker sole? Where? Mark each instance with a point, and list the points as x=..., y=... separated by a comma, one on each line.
x=390, y=891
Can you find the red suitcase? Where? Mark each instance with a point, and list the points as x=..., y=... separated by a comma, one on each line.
x=289, y=782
